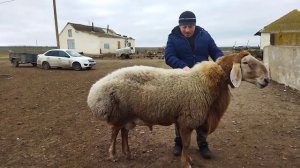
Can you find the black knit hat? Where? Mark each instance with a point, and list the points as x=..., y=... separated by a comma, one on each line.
x=188, y=18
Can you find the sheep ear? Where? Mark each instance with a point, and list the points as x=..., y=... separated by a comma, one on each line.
x=236, y=75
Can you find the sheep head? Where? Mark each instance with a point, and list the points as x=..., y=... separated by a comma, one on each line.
x=243, y=66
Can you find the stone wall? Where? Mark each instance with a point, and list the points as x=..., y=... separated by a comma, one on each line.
x=283, y=63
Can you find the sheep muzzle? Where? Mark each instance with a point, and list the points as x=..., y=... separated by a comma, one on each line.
x=254, y=71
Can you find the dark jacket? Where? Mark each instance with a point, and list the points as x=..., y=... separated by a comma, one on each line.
x=179, y=53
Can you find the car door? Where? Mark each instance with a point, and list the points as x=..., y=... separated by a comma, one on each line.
x=52, y=58
x=64, y=59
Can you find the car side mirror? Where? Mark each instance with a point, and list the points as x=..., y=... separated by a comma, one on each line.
x=67, y=56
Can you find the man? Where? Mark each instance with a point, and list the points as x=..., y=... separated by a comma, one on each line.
x=187, y=45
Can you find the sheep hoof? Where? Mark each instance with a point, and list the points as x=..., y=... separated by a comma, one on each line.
x=188, y=162
x=127, y=155
x=113, y=159
x=190, y=159
x=150, y=127
x=187, y=166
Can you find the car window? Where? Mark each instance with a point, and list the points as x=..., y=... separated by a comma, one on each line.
x=52, y=53
x=63, y=54
x=73, y=53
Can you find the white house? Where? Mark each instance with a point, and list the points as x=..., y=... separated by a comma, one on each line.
x=93, y=40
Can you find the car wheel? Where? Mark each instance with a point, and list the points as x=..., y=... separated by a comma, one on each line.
x=76, y=66
x=46, y=65
x=122, y=56
x=15, y=63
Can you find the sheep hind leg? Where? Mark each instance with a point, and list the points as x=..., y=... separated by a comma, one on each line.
x=186, y=140
x=125, y=146
x=112, y=148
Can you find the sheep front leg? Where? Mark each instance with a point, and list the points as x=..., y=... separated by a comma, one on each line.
x=186, y=140
x=125, y=146
x=112, y=148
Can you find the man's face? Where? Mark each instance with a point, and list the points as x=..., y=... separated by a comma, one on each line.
x=187, y=30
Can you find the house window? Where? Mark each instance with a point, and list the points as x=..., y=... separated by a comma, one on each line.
x=71, y=43
x=129, y=44
x=106, y=45
x=70, y=32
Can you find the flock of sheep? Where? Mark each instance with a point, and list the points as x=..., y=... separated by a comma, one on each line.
x=142, y=95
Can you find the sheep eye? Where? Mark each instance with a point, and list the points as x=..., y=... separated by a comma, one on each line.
x=245, y=62
x=252, y=65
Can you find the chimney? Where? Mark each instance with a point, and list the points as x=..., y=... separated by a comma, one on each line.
x=107, y=29
x=93, y=26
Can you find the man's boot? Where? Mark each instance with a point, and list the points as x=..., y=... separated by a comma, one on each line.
x=177, y=150
x=204, y=150
x=178, y=144
x=202, y=143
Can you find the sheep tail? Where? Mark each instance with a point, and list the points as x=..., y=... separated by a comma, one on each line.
x=104, y=106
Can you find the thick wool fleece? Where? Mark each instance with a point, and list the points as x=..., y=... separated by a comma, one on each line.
x=162, y=96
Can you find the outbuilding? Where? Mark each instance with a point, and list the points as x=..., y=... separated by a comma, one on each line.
x=284, y=31
x=280, y=42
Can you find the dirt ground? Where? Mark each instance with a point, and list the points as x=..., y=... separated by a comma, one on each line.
x=45, y=122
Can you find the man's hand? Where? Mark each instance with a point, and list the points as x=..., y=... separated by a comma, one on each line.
x=186, y=68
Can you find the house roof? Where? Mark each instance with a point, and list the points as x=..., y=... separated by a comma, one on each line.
x=287, y=23
x=81, y=27
x=100, y=32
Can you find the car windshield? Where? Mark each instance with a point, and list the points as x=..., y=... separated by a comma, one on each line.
x=73, y=53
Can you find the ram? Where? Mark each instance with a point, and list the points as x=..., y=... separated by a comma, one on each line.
x=156, y=96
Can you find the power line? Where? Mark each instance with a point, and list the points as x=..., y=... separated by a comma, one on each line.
x=6, y=1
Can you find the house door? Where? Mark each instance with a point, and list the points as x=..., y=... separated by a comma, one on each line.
x=119, y=44
x=272, y=39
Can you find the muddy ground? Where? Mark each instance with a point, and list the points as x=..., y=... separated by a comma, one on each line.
x=45, y=122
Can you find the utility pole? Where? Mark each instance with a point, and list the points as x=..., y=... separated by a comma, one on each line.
x=56, y=27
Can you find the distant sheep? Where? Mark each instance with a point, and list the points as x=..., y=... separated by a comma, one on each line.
x=156, y=96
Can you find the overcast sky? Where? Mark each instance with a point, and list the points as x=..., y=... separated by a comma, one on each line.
x=31, y=22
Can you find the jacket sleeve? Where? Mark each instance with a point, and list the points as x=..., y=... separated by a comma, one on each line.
x=171, y=57
x=214, y=51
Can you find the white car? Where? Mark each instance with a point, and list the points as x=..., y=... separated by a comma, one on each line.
x=64, y=58
x=124, y=53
